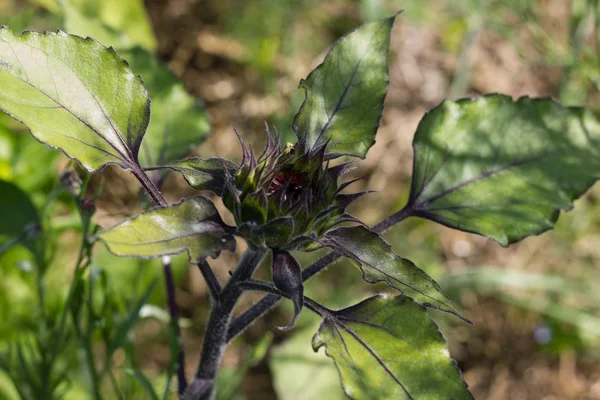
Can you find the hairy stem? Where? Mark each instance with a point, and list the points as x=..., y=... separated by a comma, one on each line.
x=267, y=302
x=393, y=219
x=214, y=287
x=268, y=287
x=149, y=186
x=215, y=337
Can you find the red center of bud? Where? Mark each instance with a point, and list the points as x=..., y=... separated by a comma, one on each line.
x=287, y=185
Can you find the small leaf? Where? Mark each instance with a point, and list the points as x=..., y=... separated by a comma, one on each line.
x=387, y=347
x=193, y=225
x=287, y=277
x=179, y=121
x=204, y=174
x=500, y=168
x=74, y=94
x=378, y=263
x=344, y=95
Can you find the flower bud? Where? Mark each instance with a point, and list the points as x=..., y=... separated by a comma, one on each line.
x=285, y=198
x=71, y=182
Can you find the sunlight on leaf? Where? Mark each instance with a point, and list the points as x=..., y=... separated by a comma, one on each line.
x=193, y=225
x=74, y=94
x=379, y=263
x=344, y=95
x=500, y=168
x=387, y=347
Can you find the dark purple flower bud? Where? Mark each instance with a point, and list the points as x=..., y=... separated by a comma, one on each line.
x=71, y=182
x=287, y=277
x=87, y=206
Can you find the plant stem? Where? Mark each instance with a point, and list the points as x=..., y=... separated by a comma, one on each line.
x=214, y=287
x=394, y=219
x=250, y=315
x=174, y=313
x=89, y=359
x=268, y=287
x=258, y=309
x=149, y=186
x=215, y=337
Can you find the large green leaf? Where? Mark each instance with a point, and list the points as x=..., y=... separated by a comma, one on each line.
x=500, y=168
x=178, y=122
x=344, y=95
x=74, y=94
x=118, y=23
x=379, y=263
x=193, y=225
x=387, y=347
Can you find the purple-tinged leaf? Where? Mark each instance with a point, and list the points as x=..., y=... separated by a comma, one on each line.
x=345, y=94
x=379, y=263
x=202, y=174
x=344, y=200
x=341, y=169
x=388, y=347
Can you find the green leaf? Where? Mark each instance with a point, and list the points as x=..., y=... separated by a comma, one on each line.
x=117, y=23
x=500, y=168
x=344, y=95
x=387, y=347
x=74, y=94
x=379, y=263
x=178, y=122
x=17, y=212
x=204, y=174
x=193, y=225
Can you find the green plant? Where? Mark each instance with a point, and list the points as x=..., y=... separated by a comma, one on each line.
x=487, y=165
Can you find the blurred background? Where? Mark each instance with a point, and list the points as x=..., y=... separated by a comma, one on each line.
x=535, y=305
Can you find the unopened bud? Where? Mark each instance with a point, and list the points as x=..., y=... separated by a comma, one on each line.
x=87, y=206
x=71, y=182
